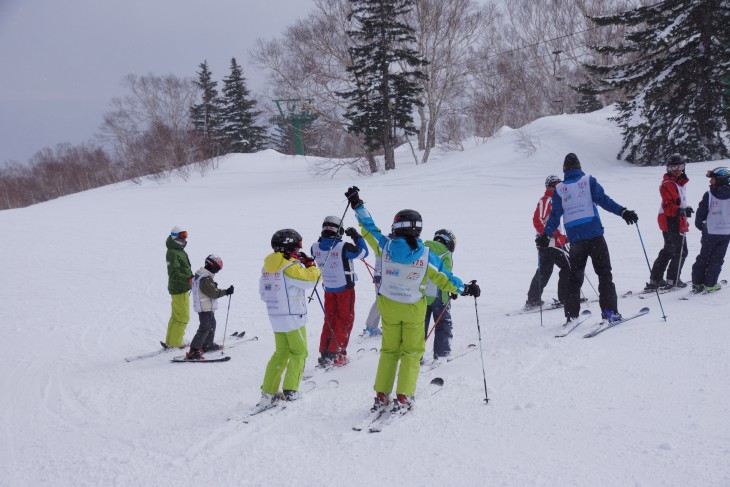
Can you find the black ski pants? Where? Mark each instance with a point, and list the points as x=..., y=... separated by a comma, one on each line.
x=707, y=266
x=673, y=254
x=597, y=250
x=549, y=257
x=206, y=331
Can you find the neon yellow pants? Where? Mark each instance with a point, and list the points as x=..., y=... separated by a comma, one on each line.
x=403, y=342
x=178, y=319
x=290, y=355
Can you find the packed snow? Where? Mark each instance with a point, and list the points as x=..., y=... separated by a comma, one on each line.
x=644, y=404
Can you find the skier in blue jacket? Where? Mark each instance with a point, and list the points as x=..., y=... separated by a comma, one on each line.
x=579, y=210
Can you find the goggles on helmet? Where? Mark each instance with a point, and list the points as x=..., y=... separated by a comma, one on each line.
x=675, y=167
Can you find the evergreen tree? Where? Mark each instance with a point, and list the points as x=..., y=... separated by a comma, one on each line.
x=384, y=72
x=588, y=101
x=242, y=134
x=674, y=56
x=206, y=116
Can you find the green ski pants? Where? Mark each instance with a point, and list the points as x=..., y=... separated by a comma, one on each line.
x=290, y=354
x=403, y=342
x=178, y=319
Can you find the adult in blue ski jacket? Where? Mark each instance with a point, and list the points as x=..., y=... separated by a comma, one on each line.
x=576, y=200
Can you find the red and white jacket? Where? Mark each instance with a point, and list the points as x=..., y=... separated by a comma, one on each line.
x=673, y=198
x=542, y=212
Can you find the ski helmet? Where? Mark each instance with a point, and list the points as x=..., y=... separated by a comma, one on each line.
x=446, y=237
x=178, y=233
x=675, y=163
x=286, y=240
x=213, y=263
x=407, y=223
x=332, y=227
x=552, y=181
x=721, y=175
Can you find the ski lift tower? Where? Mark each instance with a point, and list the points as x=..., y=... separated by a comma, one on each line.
x=295, y=113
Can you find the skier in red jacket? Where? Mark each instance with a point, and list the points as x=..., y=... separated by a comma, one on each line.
x=550, y=256
x=672, y=218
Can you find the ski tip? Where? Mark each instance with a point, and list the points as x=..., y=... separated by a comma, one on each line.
x=644, y=310
x=585, y=312
x=437, y=381
x=472, y=345
x=333, y=383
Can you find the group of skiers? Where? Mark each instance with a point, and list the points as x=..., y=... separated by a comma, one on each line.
x=576, y=198
x=413, y=278
x=415, y=282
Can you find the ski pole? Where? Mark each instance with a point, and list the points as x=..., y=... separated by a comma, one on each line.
x=329, y=325
x=539, y=283
x=649, y=266
x=481, y=352
x=324, y=264
x=225, y=329
x=681, y=252
x=439, y=318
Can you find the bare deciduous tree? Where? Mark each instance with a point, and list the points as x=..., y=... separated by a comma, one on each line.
x=150, y=128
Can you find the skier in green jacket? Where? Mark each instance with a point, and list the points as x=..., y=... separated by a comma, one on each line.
x=179, y=282
x=438, y=302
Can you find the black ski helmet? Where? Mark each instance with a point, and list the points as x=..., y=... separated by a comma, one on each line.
x=407, y=223
x=332, y=227
x=286, y=240
x=213, y=263
x=446, y=237
x=721, y=175
x=675, y=163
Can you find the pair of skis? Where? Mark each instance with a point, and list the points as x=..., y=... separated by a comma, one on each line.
x=237, y=336
x=319, y=370
x=601, y=327
x=239, y=340
x=376, y=421
x=433, y=364
x=703, y=293
x=281, y=404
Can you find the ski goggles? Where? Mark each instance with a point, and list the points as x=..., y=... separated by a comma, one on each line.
x=182, y=235
x=675, y=167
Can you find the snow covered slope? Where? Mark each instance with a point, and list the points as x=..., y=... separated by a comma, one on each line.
x=84, y=287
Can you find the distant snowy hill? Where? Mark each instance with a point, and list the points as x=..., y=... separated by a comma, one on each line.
x=645, y=404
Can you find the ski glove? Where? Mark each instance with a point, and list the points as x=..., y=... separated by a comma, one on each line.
x=472, y=289
x=353, y=196
x=686, y=212
x=352, y=233
x=229, y=291
x=305, y=259
x=629, y=216
x=542, y=240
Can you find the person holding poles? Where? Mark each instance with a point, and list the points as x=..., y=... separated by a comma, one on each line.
x=672, y=218
x=285, y=277
x=576, y=200
x=713, y=219
x=334, y=258
x=205, y=302
x=406, y=264
x=438, y=303
x=554, y=254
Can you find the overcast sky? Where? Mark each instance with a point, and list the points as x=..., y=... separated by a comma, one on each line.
x=62, y=61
